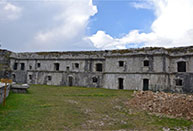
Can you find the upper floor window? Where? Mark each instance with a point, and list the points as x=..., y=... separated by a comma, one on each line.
x=15, y=66
x=121, y=63
x=56, y=66
x=181, y=66
x=99, y=67
x=67, y=68
x=76, y=65
x=22, y=66
x=38, y=65
x=145, y=63
x=30, y=67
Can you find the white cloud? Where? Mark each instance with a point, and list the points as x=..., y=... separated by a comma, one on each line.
x=142, y=5
x=172, y=27
x=73, y=20
x=9, y=11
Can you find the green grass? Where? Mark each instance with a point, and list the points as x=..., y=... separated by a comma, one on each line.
x=78, y=108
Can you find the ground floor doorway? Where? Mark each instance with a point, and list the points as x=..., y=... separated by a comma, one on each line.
x=121, y=85
x=145, y=84
x=70, y=81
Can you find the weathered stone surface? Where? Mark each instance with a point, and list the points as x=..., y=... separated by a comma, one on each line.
x=81, y=69
x=2, y=92
x=19, y=88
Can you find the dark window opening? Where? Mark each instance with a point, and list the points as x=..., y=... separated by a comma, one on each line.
x=121, y=63
x=181, y=66
x=76, y=65
x=13, y=77
x=94, y=80
x=146, y=63
x=145, y=84
x=179, y=82
x=67, y=68
x=56, y=66
x=15, y=66
x=22, y=66
x=49, y=78
x=39, y=65
x=30, y=67
x=99, y=67
x=121, y=86
x=30, y=77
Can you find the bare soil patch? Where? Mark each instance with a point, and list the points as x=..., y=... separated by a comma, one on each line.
x=175, y=105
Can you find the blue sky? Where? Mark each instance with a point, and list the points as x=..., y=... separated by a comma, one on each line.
x=119, y=17
x=70, y=25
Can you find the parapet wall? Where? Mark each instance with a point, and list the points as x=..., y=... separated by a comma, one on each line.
x=2, y=92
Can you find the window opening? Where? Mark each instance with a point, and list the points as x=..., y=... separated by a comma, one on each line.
x=22, y=66
x=56, y=66
x=30, y=67
x=146, y=63
x=121, y=63
x=76, y=65
x=39, y=65
x=99, y=67
x=49, y=78
x=30, y=77
x=15, y=66
x=94, y=80
x=181, y=66
x=179, y=82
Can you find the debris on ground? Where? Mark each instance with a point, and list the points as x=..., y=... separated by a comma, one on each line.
x=175, y=105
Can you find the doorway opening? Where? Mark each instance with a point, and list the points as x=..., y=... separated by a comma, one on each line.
x=121, y=86
x=70, y=81
x=145, y=84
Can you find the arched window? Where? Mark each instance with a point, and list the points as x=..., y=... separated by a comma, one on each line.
x=94, y=80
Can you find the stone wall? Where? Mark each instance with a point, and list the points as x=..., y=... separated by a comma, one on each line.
x=5, y=70
x=132, y=69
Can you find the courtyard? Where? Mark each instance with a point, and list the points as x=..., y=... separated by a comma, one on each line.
x=78, y=108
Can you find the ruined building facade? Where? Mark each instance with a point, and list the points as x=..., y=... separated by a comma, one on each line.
x=131, y=69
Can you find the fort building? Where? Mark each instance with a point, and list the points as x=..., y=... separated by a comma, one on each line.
x=157, y=69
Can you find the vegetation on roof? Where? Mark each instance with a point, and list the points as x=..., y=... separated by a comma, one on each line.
x=133, y=50
x=70, y=52
x=180, y=49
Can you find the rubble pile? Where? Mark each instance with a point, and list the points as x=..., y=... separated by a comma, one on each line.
x=176, y=105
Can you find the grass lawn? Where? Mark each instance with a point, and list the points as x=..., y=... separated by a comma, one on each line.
x=78, y=108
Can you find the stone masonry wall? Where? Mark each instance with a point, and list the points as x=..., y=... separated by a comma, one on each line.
x=2, y=92
x=5, y=70
x=131, y=69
